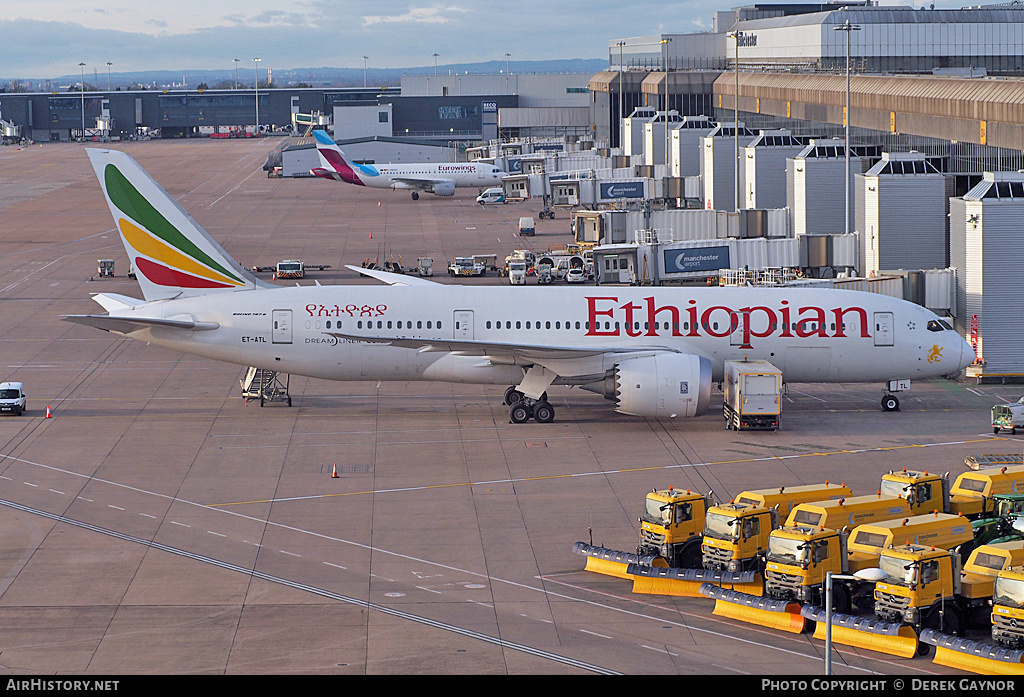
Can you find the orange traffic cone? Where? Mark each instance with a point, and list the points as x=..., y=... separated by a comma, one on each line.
x=334, y=471
x=48, y=412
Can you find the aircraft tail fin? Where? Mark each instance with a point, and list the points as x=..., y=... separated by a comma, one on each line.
x=333, y=164
x=172, y=256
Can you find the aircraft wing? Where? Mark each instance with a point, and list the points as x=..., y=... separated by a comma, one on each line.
x=392, y=279
x=563, y=360
x=424, y=184
x=126, y=325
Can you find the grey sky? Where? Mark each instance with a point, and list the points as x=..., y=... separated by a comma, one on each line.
x=49, y=38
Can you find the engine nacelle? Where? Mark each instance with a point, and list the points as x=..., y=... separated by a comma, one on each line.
x=663, y=386
x=446, y=188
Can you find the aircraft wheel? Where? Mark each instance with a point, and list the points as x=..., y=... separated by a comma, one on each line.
x=415, y=196
x=543, y=412
x=512, y=396
x=519, y=413
x=890, y=403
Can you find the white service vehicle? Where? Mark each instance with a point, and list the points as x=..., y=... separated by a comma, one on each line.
x=517, y=273
x=493, y=195
x=12, y=397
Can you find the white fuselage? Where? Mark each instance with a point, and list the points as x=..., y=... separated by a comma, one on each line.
x=812, y=335
x=397, y=176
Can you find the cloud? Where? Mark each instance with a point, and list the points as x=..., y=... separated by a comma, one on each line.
x=419, y=15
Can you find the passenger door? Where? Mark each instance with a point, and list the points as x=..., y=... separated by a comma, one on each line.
x=463, y=325
x=282, y=326
x=883, y=329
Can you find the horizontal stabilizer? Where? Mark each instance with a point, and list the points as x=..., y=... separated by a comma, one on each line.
x=392, y=279
x=112, y=302
x=126, y=325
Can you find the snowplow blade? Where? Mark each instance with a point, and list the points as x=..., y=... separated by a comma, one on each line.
x=892, y=638
x=974, y=656
x=612, y=562
x=783, y=615
x=686, y=582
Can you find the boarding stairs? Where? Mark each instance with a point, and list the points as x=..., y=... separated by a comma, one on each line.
x=265, y=385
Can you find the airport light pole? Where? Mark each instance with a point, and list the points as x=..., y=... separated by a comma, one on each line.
x=108, y=75
x=435, y=63
x=82, y=68
x=256, y=63
x=620, y=44
x=365, y=58
x=847, y=27
x=507, y=56
x=736, y=36
x=236, y=72
x=664, y=55
x=870, y=575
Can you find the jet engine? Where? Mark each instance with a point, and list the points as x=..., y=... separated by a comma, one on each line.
x=446, y=188
x=664, y=385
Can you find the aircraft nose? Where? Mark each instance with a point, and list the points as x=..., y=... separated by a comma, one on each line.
x=967, y=354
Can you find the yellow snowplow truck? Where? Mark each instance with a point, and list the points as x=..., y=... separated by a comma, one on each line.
x=922, y=590
x=799, y=557
x=972, y=491
x=787, y=497
x=672, y=525
x=867, y=542
x=736, y=536
x=1004, y=655
x=670, y=535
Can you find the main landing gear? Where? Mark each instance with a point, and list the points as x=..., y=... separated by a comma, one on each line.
x=415, y=195
x=522, y=408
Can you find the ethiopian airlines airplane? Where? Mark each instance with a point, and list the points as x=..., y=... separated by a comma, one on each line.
x=654, y=351
x=438, y=178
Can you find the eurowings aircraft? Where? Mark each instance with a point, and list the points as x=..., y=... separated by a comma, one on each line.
x=438, y=178
x=655, y=351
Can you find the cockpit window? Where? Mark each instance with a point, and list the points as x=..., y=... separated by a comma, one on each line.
x=939, y=325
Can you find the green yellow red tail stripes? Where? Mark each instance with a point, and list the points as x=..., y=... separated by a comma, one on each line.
x=170, y=253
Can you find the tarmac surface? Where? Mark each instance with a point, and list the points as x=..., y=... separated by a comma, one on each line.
x=158, y=523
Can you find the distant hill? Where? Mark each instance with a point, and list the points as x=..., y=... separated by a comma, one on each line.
x=314, y=77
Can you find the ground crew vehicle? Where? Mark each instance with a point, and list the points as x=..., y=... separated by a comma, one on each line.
x=848, y=513
x=736, y=536
x=972, y=492
x=1008, y=416
x=493, y=195
x=921, y=590
x=799, y=557
x=467, y=266
x=753, y=395
x=672, y=526
x=12, y=398
x=425, y=266
x=786, y=497
x=544, y=267
x=943, y=530
x=526, y=227
x=1008, y=608
x=291, y=268
x=990, y=571
x=517, y=273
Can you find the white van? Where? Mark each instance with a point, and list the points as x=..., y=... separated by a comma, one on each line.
x=495, y=195
x=12, y=397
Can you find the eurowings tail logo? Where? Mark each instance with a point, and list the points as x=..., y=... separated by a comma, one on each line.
x=162, y=253
x=331, y=155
